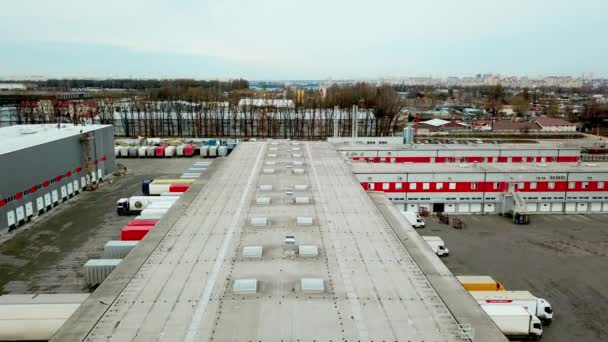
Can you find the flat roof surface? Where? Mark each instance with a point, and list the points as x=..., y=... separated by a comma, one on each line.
x=18, y=137
x=373, y=289
x=434, y=147
x=363, y=167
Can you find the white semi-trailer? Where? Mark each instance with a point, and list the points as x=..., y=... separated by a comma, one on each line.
x=514, y=321
x=135, y=204
x=437, y=245
x=534, y=305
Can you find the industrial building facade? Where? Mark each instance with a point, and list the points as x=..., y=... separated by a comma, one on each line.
x=448, y=153
x=490, y=188
x=44, y=165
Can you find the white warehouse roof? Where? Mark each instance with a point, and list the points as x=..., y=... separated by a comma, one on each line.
x=19, y=137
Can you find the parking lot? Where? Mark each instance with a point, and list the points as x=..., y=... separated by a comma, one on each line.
x=562, y=258
x=47, y=255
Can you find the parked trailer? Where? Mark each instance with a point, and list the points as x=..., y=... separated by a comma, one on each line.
x=222, y=151
x=169, y=151
x=117, y=151
x=179, y=150
x=133, y=152
x=150, y=212
x=135, y=204
x=150, y=151
x=149, y=216
x=142, y=222
x=33, y=322
x=134, y=233
x=154, y=189
x=161, y=204
x=212, y=151
x=159, y=151
x=480, y=283
x=437, y=245
x=514, y=321
x=141, y=151
x=97, y=270
x=145, y=185
x=204, y=152
x=117, y=249
x=124, y=151
x=538, y=307
x=189, y=150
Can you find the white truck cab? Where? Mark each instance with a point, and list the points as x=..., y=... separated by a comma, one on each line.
x=437, y=245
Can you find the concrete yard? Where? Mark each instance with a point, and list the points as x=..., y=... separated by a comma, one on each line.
x=562, y=258
x=47, y=256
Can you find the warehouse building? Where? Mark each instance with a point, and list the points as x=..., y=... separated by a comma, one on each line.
x=460, y=153
x=490, y=188
x=44, y=165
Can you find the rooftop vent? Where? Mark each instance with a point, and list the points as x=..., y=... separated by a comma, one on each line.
x=262, y=200
x=270, y=163
x=273, y=149
x=298, y=163
x=268, y=171
x=259, y=221
x=301, y=200
x=297, y=155
x=245, y=286
x=274, y=143
x=304, y=221
x=298, y=171
x=266, y=187
x=272, y=155
x=295, y=149
x=308, y=251
x=252, y=251
x=295, y=143
x=312, y=285
x=300, y=187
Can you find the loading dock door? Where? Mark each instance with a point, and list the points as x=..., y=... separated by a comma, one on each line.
x=412, y=207
x=450, y=208
x=76, y=187
x=70, y=189
x=544, y=207
x=475, y=207
x=40, y=204
x=10, y=219
x=47, y=201
x=438, y=207
x=55, y=196
x=64, y=192
x=463, y=208
x=531, y=207
x=20, y=214
x=488, y=208
x=605, y=207
x=582, y=207
x=29, y=209
x=570, y=207
x=557, y=207
x=596, y=207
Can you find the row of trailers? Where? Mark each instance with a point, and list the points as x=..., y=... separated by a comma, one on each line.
x=160, y=151
x=490, y=188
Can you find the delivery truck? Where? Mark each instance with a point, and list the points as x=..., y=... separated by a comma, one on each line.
x=135, y=204
x=413, y=218
x=436, y=244
x=538, y=307
x=515, y=322
x=480, y=283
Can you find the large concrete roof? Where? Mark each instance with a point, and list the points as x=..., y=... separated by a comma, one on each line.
x=179, y=283
x=18, y=137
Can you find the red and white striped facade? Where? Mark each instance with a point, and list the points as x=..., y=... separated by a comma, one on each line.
x=483, y=153
x=477, y=188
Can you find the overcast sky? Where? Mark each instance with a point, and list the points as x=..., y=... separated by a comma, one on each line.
x=306, y=39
